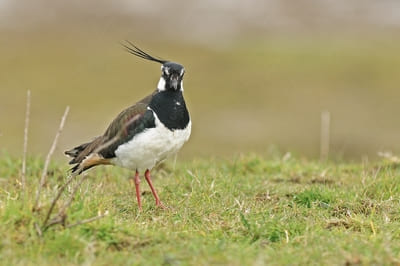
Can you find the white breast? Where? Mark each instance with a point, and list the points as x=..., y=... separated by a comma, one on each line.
x=151, y=146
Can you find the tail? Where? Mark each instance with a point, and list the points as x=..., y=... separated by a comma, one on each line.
x=85, y=157
x=75, y=152
x=76, y=158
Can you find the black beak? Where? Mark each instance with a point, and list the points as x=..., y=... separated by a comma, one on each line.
x=174, y=81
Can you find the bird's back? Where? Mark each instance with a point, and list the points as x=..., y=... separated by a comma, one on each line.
x=163, y=119
x=118, y=131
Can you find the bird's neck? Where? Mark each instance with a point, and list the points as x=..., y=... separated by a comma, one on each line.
x=170, y=108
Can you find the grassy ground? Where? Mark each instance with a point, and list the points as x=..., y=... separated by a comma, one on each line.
x=247, y=210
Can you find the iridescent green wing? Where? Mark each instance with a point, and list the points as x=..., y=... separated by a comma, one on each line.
x=127, y=124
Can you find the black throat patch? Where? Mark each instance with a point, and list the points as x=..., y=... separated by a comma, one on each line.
x=171, y=109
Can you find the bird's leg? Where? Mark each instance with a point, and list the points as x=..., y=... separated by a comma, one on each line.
x=137, y=186
x=148, y=179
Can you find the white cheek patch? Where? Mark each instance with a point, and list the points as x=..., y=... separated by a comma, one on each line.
x=161, y=84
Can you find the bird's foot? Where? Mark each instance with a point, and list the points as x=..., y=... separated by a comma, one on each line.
x=160, y=205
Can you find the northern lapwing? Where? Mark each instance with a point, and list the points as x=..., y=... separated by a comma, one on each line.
x=145, y=133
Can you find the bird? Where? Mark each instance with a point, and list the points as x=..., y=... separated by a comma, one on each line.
x=144, y=134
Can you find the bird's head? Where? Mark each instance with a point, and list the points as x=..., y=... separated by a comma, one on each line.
x=171, y=73
x=171, y=76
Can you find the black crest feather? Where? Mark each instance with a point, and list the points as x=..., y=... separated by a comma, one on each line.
x=133, y=49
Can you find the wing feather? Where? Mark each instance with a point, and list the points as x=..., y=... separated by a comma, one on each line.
x=129, y=122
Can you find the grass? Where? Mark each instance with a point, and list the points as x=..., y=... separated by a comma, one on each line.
x=247, y=210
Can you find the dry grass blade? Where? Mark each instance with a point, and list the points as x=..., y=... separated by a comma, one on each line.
x=72, y=196
x=87, y=220
x=27, y=115
x=46, y=164
x=38, y=229
x=53, y=203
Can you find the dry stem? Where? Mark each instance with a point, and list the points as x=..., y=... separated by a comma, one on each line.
x=27, y=115
x=87, y=220
x=46, y=164
x=53, y=203
x=72, y=196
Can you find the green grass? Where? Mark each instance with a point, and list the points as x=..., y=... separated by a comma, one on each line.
x=247, y=210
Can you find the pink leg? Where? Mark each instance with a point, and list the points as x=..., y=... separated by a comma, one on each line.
x=137, y=186
x=148, y=179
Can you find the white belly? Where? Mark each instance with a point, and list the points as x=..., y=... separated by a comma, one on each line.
x=151, y=146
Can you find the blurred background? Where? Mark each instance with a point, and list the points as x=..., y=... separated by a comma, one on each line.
x=259, y=72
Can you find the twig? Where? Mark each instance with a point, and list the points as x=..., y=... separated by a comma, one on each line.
x=53, y=203
x=38, y=230
x=72, y=196
x=27, y=114
x=54, y=221
x=87, y=220
x=46, y=164
x=60, y=217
